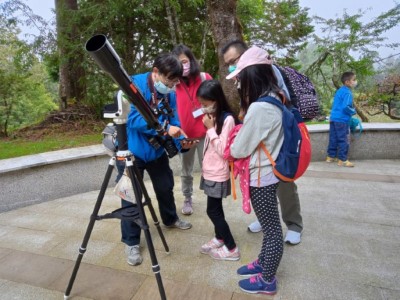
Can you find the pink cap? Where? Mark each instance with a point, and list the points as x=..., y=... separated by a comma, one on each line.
x=252, y=56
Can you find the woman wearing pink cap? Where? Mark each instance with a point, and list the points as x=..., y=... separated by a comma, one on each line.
x=262, y=123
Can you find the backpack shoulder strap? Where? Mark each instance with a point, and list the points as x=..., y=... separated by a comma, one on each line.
x=271, y=100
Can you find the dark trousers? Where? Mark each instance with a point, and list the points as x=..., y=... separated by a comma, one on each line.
x=162, y=178
x=338, y=140
x=216, y=214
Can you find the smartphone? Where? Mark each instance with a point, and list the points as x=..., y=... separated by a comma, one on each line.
x=189, y=140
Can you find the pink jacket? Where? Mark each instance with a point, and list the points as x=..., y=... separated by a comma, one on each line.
x=215, y=167
x=241, y=168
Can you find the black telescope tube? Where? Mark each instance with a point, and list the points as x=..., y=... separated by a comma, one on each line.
x=105, y=56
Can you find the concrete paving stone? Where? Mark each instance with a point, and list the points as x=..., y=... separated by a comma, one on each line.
x=180, y=291
x=16, y=291
x=29, y=240
x=391, y=294
x=310, y=287
x=45, y=207
x=32, y=221
x=348, y=249
x=324, y=227
x=100, y=283
x=4, y=252
x=362, y=206
x=33, y=269
x=379, y=167
x=353, y=244
x=375, y=272
x=363, y=271
x=96, y=251
x=246, y=296
x=5, y=229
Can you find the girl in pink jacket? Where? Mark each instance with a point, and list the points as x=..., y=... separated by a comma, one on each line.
x=219, y=120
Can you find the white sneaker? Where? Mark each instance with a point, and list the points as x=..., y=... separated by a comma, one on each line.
x=255, y=227
x=292, y=237
x=133, y=254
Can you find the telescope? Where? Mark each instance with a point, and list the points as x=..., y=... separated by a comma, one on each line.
x=105, y=56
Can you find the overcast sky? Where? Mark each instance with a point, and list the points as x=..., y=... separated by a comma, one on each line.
x=335, y=8
x=322, y=8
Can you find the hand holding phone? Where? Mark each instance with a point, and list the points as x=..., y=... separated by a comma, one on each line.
x=187, y=143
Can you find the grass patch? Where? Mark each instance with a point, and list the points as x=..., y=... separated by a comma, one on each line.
x=19, y=147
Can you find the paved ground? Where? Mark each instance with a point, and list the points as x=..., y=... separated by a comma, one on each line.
x=350, y=247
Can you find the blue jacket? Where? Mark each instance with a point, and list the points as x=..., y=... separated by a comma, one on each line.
x=342, y=107
x=137, y=129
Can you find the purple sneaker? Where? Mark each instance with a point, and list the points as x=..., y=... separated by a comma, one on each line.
x=251, y=269
x=257, y=285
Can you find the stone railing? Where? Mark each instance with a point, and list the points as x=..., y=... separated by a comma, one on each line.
x=377, y=141
x=37, y=178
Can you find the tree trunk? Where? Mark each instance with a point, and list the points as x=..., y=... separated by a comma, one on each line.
x=178, y=27
x=170, y=21
x=64, y=89
x=225, y=27
x=72, y=75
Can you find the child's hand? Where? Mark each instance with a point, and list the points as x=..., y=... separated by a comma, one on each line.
x=208, y=121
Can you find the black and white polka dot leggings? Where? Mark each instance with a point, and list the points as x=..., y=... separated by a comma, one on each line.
x=265, y=205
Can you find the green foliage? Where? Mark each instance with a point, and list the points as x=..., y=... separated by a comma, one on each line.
x=282, y=27
x=23, y=95
x=347, y=44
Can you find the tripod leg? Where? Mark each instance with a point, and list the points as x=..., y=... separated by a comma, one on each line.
x=151, y=208
x=90, y=226
x=132, y=171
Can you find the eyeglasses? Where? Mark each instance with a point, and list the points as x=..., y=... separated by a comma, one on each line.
x=168, y=82
x=234, y=61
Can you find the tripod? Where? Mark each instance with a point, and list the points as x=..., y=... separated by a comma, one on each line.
x=134, y=213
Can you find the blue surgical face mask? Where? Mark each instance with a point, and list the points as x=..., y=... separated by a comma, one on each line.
x=231, y=68
x=162, y=88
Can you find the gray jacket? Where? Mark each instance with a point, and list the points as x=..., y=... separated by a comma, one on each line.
x=263, y=122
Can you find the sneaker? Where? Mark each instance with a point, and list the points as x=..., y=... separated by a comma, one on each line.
x=213, y=244
x=251, y=269
x=257, y=285
x=180, y=224
x=223, y=253
x=187, y=206
x=134, y=256
x=330, y=159
x=345, y=163
x=292, y=237
x=254, y=227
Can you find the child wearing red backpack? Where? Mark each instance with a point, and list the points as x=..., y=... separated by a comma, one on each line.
x=219, y=121
x=262, y=124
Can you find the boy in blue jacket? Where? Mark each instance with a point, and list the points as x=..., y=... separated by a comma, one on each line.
x=339, y=129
